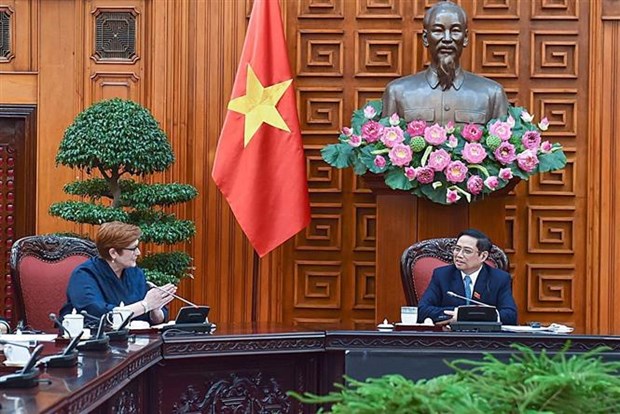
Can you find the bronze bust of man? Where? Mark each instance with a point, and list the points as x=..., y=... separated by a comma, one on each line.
x=445, y=92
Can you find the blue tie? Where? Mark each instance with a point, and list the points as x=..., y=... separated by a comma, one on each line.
x=467, y=282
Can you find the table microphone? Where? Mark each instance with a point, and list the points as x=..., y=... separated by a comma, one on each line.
x=153, y=285
x=27, y=377
x=100, y=342
x=450, y=293
x=68, y=358
x=121, y=333
x=54, y=319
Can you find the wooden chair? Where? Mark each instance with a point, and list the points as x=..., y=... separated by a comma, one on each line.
x=41, y=267
x=420, y=259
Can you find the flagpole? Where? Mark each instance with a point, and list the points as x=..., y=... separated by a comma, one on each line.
x=255, y=293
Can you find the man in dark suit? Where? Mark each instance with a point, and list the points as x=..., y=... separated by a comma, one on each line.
x=469, y=276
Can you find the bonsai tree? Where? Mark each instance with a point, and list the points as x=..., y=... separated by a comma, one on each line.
x=118, y=143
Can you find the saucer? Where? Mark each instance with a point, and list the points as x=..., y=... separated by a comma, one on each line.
x=15, y=364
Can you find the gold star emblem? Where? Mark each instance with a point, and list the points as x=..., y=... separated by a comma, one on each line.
x=259, y=105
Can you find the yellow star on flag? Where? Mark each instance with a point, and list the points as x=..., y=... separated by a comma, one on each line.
x=259, y=105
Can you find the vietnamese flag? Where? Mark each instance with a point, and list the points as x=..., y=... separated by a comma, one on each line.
x=260, y=164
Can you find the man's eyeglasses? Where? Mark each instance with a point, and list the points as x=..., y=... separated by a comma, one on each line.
x=465, y=250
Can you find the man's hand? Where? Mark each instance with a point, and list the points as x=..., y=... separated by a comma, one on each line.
x=451, y=313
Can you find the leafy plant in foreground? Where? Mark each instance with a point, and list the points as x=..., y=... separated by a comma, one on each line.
x=528, y=383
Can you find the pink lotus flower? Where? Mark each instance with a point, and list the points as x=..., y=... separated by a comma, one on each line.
x=503, y=130
x=546, y=147
x=511, y=121
x=372, y=131
x=394, y=119
x=474, y=153
x=355, y=141
x=491, y=182
x=527, y=160
x=505, y=174
x=425, y=175
x=439, y=159
x=347, y=132
x=475, y=184
x=472, y=132
x=379, y=161
x=526, y=117
x=453, y=141
x=531, y=140
x=369, y=112
x=416, y=128
x=456, y=172
x=543, y=124
x=505, y=153
x=450, y=127
x=435, y=135
x=392, y=136
x=400, y=155
x=410, y=173
x=452, y=196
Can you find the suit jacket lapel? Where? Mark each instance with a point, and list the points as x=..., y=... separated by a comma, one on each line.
x=481, y=284
x=457, y=282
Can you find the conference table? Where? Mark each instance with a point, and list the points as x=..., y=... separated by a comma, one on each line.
x=249, y=368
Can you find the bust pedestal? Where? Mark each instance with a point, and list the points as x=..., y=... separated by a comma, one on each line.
x=403, y=219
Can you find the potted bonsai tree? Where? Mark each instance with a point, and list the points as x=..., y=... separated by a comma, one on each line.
x=118, y=143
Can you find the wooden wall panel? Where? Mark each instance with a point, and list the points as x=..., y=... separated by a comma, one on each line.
x=347, y=52
x=604, y=154
x=562, y=230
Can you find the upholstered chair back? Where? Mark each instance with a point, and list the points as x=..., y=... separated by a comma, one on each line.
x=41, y=267
x=420, y=260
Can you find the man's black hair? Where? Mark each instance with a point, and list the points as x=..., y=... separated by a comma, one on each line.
x=483, y=242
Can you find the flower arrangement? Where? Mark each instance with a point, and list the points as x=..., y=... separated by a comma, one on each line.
x=445, y=163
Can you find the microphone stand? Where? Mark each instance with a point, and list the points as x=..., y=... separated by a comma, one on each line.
x=69, y=357
x=27, y=377
x=100, y=342
x=471, y=318
x=121, y=333
x=450, y=293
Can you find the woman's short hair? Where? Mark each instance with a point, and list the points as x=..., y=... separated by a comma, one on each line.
x=115, y=235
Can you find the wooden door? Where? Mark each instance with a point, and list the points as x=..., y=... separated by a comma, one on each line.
x=17, y=189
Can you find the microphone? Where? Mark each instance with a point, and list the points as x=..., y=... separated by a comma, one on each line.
x=100, y=342
x=121, y=333
x=66, y=359
x=153, y=285
x=450, y=293
x=27, y=377
x=54, y=319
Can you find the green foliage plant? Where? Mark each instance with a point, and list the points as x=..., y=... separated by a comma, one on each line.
x=118, y=143
x=528, y=383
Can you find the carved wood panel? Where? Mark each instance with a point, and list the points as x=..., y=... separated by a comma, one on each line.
x=235, y=384
x=17, y=191
x=345, y=55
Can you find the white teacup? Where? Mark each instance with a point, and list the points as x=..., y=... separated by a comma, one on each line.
x=119, y=314
x=16, y=354
x=74, y=323
x=409, y=315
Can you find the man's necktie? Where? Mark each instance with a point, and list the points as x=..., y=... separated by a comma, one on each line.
x=467, y=282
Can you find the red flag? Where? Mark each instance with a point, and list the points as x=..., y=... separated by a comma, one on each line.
x=260, y=164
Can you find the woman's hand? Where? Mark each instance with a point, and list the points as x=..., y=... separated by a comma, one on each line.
x=158, y=298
